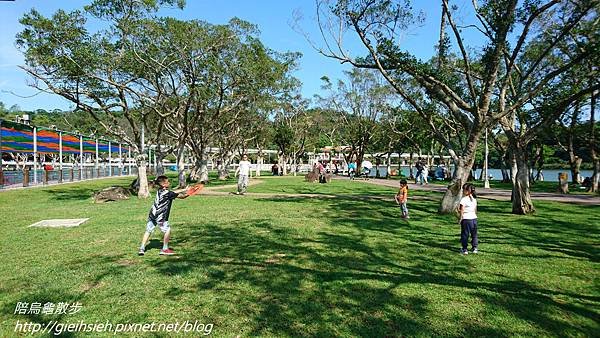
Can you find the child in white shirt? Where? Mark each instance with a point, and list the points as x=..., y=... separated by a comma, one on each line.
x=468, y=218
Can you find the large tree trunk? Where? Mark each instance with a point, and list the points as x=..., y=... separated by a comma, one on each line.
x=142, y=178
x=203, y=171
x=200, y=171
x=259, y=162
x=453, y=195
x=513, y=167
x=222, y=167
x=575, y=165
x=388, y=163
x=521, y=195
x=505, y=174
x=462, y=172
x=294, y=168
x=360, y=155
x=282, y=160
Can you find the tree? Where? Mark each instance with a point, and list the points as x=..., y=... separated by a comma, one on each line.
x=98, y=72
x=401, y=131
x=3, y=110
x=471, y=88
x=549, y=68
x=568, y=134
x=360, y=102
x=593, y=142
x=233, y=77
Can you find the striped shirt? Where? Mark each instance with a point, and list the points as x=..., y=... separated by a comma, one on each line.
x=162, y=206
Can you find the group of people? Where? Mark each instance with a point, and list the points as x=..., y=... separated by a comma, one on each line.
x=467, y=211
x=158, y=215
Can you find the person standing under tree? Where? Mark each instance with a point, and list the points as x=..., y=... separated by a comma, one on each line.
x=243, y=170
x=467, y=210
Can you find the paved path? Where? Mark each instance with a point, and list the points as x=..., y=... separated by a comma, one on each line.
x=495, y=194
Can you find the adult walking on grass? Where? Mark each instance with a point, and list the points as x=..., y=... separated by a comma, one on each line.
x=243, y=170
x=419, y=175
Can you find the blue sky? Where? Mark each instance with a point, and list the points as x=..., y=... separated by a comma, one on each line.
x=273, y=18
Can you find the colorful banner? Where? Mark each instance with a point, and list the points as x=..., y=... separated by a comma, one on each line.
x=102, y=146
x=89, y=145
x=16, y=137
x=47, y=140
x=115, y=148
x=70, y=143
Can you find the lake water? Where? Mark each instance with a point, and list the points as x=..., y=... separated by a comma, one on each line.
x=550, y=175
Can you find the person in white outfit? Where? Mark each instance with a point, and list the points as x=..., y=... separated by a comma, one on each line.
x=425, y=174
x=243, y=170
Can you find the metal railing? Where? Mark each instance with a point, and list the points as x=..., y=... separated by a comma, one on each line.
x=26, y=177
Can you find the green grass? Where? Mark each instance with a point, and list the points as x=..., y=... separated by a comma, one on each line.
x=304, y=266
x=288, y=185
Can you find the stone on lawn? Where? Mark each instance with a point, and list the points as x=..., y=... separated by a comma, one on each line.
x=111, y=194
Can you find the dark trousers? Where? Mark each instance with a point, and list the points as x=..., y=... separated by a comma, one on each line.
x=468, y=227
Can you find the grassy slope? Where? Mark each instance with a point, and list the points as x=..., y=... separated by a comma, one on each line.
x=305, y=266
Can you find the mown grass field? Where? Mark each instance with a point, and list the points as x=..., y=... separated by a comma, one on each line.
x=340, y=264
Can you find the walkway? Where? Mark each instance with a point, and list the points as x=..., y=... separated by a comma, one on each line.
x=495, y=194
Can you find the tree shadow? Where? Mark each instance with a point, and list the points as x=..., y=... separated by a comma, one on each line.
x=71, y=194
x=106, y=268
x=355, y=281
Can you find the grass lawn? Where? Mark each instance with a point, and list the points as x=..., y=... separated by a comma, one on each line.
x=303, y=266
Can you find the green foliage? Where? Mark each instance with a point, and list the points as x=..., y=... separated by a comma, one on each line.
x=175, y=78
x=283, y=138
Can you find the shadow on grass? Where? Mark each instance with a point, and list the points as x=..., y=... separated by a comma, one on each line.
x=347, y=282
x=42, y=297
x=107, y=267
x=72, y=193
